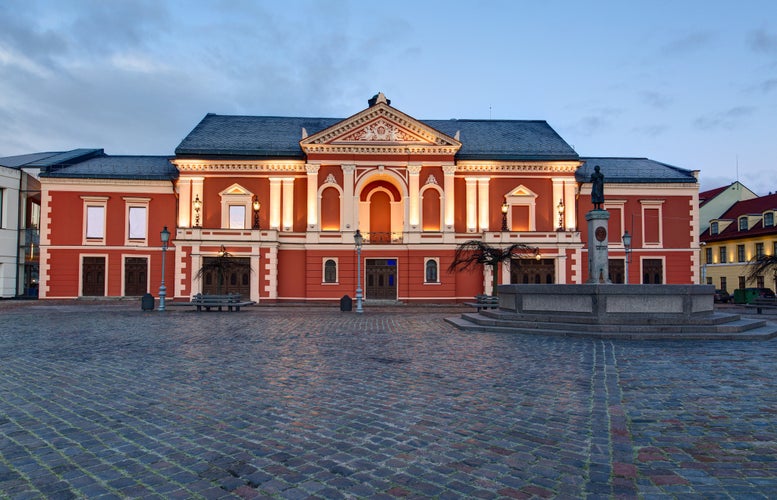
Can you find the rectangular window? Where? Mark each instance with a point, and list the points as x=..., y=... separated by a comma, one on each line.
x=742, y=283
x=709, y=280
x=759, y=281
x=330, y=270
x=95, y=222
x=714, y=228
x=722, y=282
x=137, y=223
x=652, y=227
x=1, y=207
x=740, y=253
x=759, y=250
x=708, y=255
x=237, y=216
x=431, y=270
x=723, y=255
x=769, y=219
x=743, y=223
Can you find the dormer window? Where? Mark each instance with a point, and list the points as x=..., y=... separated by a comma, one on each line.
x=769, y=219
x=714, y=228
x=743, y=223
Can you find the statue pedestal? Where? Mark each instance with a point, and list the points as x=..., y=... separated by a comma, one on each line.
x=598, y=257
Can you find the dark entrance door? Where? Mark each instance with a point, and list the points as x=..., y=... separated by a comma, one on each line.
x=93, y=278
x=381, y=279
x=652, y=271
x=617, y=270
x=135, y=276
x=532, y=271
x=233, y=278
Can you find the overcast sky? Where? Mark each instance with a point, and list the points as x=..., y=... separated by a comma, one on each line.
x=685, y=82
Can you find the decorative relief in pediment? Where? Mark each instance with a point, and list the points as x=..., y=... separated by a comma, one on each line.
x=380, y=130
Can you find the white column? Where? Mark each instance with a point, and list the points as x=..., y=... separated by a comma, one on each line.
x=351, y=222
x=483, y=203
x=185, y=218
x=448, y=171
x=288, y=203
x=414, y=172
x=570, y=212
x=472, y=207
x=312, y=171
x=275, y=202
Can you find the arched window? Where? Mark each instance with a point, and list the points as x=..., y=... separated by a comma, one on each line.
x=431, y=271
x=330, y=271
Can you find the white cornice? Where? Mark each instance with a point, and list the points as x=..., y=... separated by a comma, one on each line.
x=239, y=166
x=541, y=167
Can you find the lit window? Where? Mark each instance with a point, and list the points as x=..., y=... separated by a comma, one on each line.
x=330, y=271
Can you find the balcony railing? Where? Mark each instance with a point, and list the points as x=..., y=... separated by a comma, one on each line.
x=382, y=238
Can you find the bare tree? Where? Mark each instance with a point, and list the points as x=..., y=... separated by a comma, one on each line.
x=221, y=265
x=475, y=252
x=761, y=265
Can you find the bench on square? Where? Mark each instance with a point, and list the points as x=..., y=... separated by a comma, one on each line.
x=761, y=304
x=484, y=302
x=232, y=301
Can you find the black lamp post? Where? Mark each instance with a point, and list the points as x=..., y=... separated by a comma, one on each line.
x=256, y=206
x=197, y=207
x=165, y=237
x=505, y=208
x=627, y=247
x=358, y=239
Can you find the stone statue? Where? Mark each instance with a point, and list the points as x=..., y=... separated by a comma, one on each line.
x=597, y=188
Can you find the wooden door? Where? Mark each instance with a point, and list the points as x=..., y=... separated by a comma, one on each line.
x=381, y=279
x=235, y=277
x=93, y=277
x=135, y=276
x=532, y=271
x=652, y=271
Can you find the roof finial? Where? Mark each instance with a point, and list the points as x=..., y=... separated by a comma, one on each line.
x=378, y=98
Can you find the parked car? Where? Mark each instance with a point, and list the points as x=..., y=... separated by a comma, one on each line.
x=746, y=295
x=722, y=297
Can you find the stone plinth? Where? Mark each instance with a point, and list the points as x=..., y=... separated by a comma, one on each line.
x=610, y=303
x=598, y=257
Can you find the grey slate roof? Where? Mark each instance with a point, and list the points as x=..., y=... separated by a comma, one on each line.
x=118, y=167
x=278, y=137
x=28, y=160
x=633, y=170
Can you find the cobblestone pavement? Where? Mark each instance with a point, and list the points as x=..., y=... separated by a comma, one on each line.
x=105, y=401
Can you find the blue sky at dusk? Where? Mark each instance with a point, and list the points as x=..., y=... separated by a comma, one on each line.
x=685, y=82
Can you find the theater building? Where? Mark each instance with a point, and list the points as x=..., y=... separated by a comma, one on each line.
x=284, y=196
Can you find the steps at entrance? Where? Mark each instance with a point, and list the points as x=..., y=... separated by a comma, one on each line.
x=717, y=325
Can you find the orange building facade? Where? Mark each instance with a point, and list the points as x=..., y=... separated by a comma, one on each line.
x=285, y=196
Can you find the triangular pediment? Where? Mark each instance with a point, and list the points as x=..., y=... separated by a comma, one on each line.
x=522, y=191
x=235, y=190
x=380, y=126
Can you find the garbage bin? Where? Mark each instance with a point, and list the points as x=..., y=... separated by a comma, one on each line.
x=147, y=302
x=346, y=303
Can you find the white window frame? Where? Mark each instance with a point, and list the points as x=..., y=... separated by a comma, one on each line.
x=323, y=271
x=522, y=196
x=135, y=203
x=436, y=260
x=236, y=195
x=653, y=205
x=94, y=202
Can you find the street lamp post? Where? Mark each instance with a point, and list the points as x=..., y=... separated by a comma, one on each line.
x=627, y=247
x=704, y=263
x=165, y=237
x=359, y=239
x=256, y=207
x=505, y=208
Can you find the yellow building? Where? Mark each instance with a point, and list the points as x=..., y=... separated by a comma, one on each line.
x=743, y=232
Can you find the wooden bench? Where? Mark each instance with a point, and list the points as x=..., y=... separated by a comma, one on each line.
x=761, y=304
x=232, y=301
x=484, y=302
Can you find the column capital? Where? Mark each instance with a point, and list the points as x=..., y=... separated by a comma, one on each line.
x=349, y=168
x=449, y=169
x=312, y=169
x=414, y=169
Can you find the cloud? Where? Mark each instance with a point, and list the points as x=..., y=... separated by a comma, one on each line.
x=762, y=41
x=656, y=99
x=724, y=119
x=651, y=130
x=688, y=43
